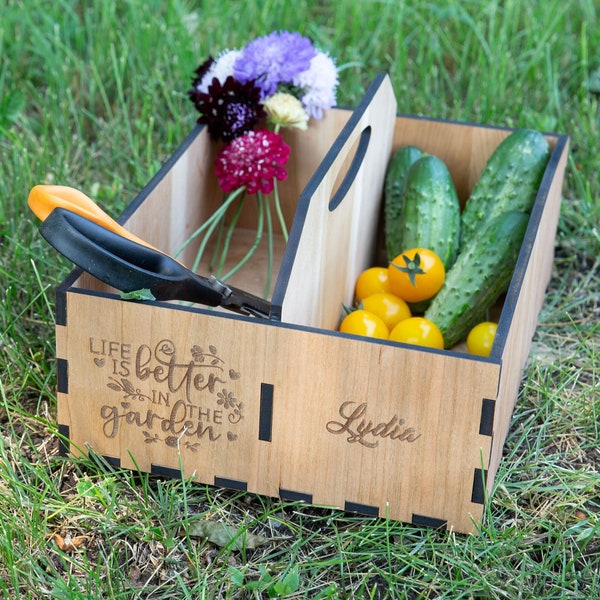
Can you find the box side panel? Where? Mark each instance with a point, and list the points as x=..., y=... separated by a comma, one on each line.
x=276, y=410
x=528, y=295
x=179, y=199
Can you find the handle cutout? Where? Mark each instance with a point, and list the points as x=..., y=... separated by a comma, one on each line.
x=346, y=178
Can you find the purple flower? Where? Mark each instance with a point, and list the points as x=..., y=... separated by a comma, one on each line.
x=273, y=59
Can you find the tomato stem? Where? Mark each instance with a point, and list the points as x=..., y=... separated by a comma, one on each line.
x=412, y=267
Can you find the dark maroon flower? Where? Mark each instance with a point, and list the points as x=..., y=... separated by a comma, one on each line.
x=253, y=160
x=229, y=109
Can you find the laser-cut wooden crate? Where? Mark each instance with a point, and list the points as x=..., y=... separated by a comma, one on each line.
x=291, y=408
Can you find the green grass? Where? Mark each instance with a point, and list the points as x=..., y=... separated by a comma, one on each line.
x=92, y=94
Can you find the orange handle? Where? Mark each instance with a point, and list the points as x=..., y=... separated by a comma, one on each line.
x=43, y=199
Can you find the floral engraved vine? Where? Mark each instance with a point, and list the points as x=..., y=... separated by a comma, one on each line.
x=130, y=392
x=200, y=356
x=229, y=402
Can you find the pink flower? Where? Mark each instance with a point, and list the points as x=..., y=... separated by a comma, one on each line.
x=253, y=160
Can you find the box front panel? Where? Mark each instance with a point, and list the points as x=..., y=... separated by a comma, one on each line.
x=275, y=410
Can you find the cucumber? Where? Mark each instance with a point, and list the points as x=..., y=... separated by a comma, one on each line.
x=509, y=180
x=430, y=212
x=401, y=161
x=482, y=272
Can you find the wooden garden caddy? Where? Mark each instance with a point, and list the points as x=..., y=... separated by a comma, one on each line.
x=289, y=407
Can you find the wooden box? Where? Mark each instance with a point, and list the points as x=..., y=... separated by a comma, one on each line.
x=289, y=407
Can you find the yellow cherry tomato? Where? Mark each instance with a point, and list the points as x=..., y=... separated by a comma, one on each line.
x=373, y=280
x=362, y=322
x=387, y=307
x=481, y=338
x=419, y=331
x=416, y=274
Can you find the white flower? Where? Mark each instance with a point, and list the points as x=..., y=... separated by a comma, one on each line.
x=221, y=69
x=319, y=83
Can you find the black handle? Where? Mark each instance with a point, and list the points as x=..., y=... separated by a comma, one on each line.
x=122, y=263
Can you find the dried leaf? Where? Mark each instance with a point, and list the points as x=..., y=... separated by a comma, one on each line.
x=223, y=535
x=68, y=544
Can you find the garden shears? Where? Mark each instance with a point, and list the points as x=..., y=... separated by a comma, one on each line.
x=82, y=232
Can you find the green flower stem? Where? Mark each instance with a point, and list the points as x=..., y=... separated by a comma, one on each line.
x=284, y=230
x=252, y=250
x=212, y=221
x=211, y=229
x=228, y=236
x=202, y=247
x=282, y=223
x=270, y=245
x=218, y=242
x=225, y=234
